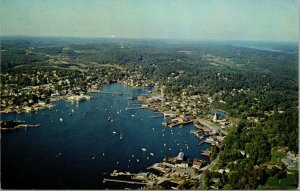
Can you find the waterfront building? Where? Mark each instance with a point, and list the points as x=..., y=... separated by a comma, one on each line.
x=197, y=164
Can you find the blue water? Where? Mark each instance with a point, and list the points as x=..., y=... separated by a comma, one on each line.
x=30, y=157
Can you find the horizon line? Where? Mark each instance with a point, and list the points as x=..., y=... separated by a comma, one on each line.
x=147, y=38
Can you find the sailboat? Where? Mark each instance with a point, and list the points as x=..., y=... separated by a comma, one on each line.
x=61, y=115
x=121, y=136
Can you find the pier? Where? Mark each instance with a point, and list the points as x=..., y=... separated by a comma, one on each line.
x=125, y=181
x=5, y=127
x=174, y=124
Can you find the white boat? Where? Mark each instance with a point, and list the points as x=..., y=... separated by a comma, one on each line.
x=103, y=154
x=152, y=154
x=121, y=136
x=132, y=115
x=58, y=155
x=165, y=144
x=114, y=133
x=137, y=160
x=72, y=110
x=170, y=149
x=93, y=158
x=144, y=149
x=60, y=119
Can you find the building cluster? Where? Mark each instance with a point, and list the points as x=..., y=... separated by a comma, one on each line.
x=176, y=170
x=136, y=80
x=181, y=109
x=291, y=161
x=33, y=90
x=173, y=172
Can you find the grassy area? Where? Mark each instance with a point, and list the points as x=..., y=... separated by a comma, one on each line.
x=276, y=156
x=290, y=182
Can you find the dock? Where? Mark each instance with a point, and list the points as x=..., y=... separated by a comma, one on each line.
x=124, y=181
x=18, y=127
x=116, y=173
x=132, y=108
x=173, y=124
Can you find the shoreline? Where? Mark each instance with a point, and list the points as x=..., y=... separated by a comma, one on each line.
x=41, y=106
x=70, y=98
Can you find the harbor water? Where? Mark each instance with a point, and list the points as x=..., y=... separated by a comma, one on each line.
x=78, y=144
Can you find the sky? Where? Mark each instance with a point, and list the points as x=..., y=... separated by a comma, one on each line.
x=262, y=20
